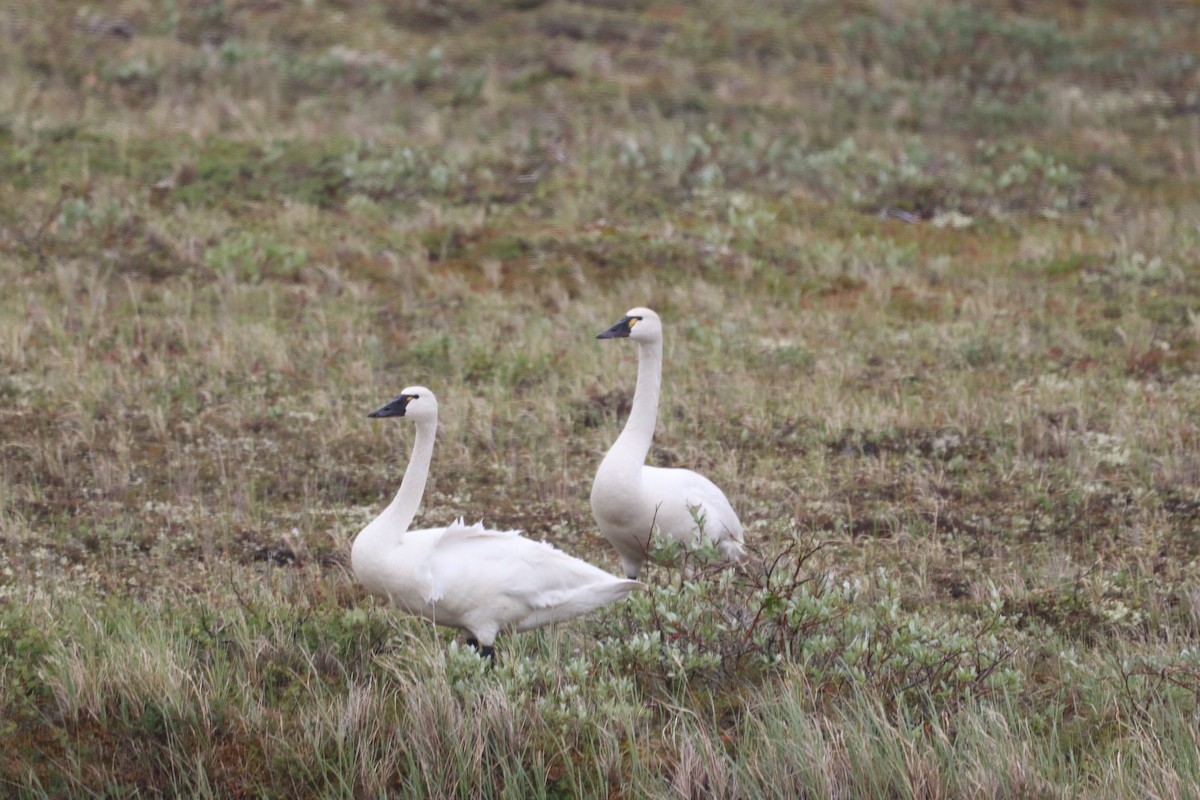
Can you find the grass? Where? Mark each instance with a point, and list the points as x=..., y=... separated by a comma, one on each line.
x=929, y=277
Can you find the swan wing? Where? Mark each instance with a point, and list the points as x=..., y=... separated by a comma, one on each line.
x=460, y=556
x=458, y=534
x=562, y=587
x=678, y=493
x=563, y=605
x=507, y=562
x=520, y=582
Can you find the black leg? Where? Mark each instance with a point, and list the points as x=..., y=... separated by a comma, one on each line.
x=486, y=651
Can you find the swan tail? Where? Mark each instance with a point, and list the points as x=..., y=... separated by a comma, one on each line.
x=568, y=604
x=731, y=549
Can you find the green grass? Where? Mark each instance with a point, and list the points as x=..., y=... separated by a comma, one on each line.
x=929, y=278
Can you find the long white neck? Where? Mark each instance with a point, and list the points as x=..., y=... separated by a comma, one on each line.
x=634, y=441
x=400, y=512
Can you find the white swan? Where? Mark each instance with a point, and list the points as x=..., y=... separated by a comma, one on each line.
x=466, y=576
x=631, y=500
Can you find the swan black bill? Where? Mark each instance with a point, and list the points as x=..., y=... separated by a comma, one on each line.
x=394, y=408
x=618, y=331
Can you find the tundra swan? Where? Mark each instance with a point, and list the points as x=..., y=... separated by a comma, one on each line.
x=631, y=500
x=466, y=576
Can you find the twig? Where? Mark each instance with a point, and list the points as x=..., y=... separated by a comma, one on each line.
x=35, y=245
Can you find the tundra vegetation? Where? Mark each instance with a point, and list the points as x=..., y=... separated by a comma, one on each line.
x=930, y=274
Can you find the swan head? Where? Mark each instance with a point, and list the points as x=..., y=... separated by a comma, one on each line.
x=639, y=324
x=416, y=402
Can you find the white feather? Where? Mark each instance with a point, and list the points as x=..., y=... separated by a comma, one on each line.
x=467, y=576
x=631, y=501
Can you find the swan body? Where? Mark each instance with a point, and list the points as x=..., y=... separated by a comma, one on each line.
x=630, y=500
x=467, y=576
